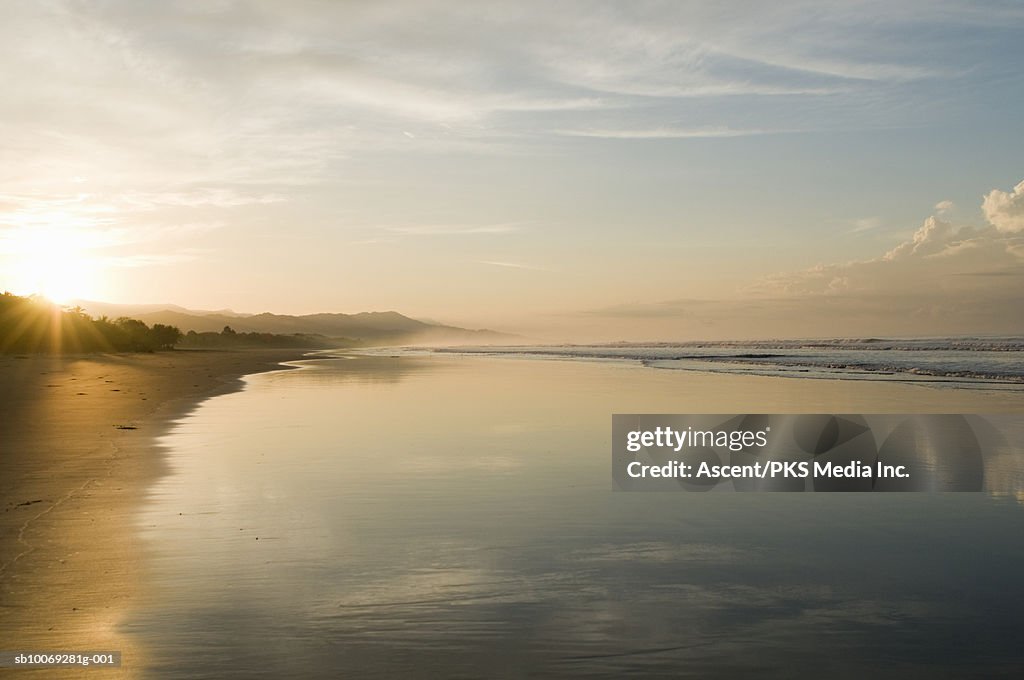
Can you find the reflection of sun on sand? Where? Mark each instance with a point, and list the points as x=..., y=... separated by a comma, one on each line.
x=77, y=451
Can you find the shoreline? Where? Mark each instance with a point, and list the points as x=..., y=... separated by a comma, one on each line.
x=357, y=502
x=80, y=449
x=807, y=370
x=1012, y=388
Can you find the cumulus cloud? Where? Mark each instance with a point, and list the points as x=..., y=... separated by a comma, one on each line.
x=932, y=237
x=944, y=279
x=1004, y=209
x=940, y=259
x=943, y=207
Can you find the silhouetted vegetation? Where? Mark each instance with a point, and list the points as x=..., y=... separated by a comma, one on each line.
x=231, y=339
x=36, y=325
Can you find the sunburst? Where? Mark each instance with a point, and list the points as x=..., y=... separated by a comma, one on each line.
x=55, y=262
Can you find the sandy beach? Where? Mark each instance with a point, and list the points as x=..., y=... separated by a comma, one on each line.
x=425, y=515
x=78, y=451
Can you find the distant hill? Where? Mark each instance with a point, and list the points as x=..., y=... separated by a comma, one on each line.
x=365, y=327
x=95, y=308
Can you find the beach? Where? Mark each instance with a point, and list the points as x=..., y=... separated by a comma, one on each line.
x=78, y=452
x=660, y=340
x=419, y=515
x=270, y=531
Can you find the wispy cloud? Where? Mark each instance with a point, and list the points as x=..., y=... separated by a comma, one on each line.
x=100, y=227
x=289, y=90
x=219, y=197
x=665, y=133
x=512, y=265
x=373, y=241
x=153, y=259
x=456, y=230
x=862, y=224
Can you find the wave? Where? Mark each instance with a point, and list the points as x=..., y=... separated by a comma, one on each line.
x=977, y=359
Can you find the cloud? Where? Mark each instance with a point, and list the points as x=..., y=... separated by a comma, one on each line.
x=865, y=224
x=455, y=230
x=151, y=259
x=1005, y=210
x=512, y=265
x=932, y=237
x=682, y=51
x=943, y=279
x=665, y=133
x=920, y=266
x=219, y=197
x=923, y=265
x=943, y=207
x=282, y=91
x=101, y=227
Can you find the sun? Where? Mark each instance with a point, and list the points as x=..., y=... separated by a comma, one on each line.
x=54, y=262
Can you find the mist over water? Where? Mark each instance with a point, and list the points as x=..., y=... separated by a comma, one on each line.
x=451, y=516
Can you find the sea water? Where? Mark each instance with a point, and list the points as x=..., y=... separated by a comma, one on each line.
x=964, y=363
x=452, y=517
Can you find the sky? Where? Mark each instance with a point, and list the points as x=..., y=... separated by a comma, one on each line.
x=571, y=170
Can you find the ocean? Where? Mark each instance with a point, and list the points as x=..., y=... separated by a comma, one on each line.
x=450, y=515
x=966, y=362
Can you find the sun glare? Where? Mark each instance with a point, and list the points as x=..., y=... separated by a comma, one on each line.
x=53, y=262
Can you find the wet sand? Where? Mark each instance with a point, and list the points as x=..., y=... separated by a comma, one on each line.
x=78, y=449
x=452, y=517
x=78, y=452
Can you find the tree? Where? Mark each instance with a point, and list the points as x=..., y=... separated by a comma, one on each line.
x=139, y=338
x=165, y=337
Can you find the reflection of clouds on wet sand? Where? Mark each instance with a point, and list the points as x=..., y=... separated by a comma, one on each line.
x=457, y=522
x=660, y=552
x=350, y=369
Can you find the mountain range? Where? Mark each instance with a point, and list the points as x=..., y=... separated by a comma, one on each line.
x=365, y=327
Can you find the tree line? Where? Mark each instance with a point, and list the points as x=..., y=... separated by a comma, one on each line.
x=229, y=338
x=34, y=324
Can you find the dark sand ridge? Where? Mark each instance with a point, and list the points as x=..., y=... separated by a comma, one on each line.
x=78, y=449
